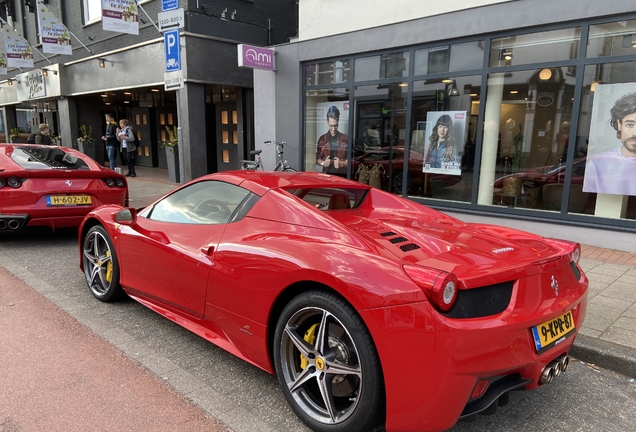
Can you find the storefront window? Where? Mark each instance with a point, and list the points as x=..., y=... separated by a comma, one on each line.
x=332, y=72
x=526, y=137
x=538, y=47
x=450, y=58
x=612, y=39
x=380, y=134
x=394, y=65
x=443, y=125
x=605, y=153
x=327, y=117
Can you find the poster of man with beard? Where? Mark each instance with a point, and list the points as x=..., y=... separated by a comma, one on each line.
x=611, y=164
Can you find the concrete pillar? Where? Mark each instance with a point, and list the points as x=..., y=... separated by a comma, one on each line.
x=491, y=136
x=11, y=120
x=192, y=143
x=69, y=125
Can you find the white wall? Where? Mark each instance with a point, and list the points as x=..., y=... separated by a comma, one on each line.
x=318, y=18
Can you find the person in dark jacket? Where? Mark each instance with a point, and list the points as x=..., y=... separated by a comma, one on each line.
x=111, y=141
x=43, y=136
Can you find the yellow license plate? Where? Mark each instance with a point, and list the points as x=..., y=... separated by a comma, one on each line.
x=68, y=200
x=553, y=332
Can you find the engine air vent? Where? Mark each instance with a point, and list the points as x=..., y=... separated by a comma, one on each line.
x=398, y=240
x=409, y=247
x=388, y=234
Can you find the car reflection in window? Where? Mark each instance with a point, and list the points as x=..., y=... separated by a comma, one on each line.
x=206, y=202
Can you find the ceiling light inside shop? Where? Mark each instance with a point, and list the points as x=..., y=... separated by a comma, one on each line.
x=514, y=91
x=403, y=84
x=447, y=80
x=126, y=101
x=545, y=74
x=593, y=85
x=474, y=94
x=104, y=95
x=154, y=90
x=127, y=93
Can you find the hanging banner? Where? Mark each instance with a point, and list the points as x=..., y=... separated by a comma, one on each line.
x=17, y=49
x=120, y=16
x=3, y=64
x=55, y=36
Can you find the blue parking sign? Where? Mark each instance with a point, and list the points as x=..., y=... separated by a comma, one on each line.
x=167, y=5
x=172, y=46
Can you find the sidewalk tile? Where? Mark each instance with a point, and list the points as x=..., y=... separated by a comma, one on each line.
x=621, y=336
x=590, y=332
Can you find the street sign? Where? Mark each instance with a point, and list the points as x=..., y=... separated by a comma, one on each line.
x=172, y=48
x=173, y=80
x=171, y=19
x=167, y=5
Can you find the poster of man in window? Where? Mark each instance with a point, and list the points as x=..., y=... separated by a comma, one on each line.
x=444, y=144
x=610, y=167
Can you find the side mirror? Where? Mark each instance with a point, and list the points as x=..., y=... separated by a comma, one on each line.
x=126, y=216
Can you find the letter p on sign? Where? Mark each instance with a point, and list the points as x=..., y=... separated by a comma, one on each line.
x=172, y=47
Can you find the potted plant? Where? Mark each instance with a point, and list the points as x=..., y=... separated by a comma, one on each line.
x=171, y=145
x=375, y=175
x=86, y=140
x=15, y=135
x=363, y=174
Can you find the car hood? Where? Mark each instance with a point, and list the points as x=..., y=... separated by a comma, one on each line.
x=475, y=253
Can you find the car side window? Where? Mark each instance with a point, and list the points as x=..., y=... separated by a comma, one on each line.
x=204, y=202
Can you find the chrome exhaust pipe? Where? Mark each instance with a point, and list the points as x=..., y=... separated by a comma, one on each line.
x=565, y=362
x=14, y=224
x=3, y=224
x=547, y=375
x=556, y=365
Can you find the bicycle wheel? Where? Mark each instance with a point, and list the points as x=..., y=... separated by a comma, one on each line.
x=288, y=169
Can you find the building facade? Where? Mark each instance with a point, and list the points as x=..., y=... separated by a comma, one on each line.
x=508, y=112
x=123, y=74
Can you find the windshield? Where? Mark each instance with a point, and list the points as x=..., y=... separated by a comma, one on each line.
x=49, y=157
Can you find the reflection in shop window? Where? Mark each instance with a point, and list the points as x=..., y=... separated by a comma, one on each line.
x=394, y=65
x=449, y=58
x=526, y=138
x=612, y=39
x=226, y=156
x=562, y=44
x=332, y=72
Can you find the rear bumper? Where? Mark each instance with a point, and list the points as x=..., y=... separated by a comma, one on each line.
x=431, y=363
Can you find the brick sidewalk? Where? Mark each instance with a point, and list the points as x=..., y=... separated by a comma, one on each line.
x=608, y=256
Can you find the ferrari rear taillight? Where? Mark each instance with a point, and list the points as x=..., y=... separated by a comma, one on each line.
x=2, y=182
x=119, y=182
x=14, y=182
x=440, y=287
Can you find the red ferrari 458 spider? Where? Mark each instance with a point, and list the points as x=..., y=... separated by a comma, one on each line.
x=371, y=309
x=43, y=185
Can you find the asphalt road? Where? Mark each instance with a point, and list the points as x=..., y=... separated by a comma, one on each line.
x=244, y=398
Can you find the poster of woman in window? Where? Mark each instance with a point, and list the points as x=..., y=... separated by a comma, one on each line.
x=610, y=167
x=444, y=145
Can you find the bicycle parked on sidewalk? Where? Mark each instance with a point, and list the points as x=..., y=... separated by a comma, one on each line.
x=257, y=163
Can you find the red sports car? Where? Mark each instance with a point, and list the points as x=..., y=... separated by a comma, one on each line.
x=43, y=185
x=371, y=309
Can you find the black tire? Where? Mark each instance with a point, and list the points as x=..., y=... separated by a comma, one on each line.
x=101, y=267
x=397, y=180
x=339, y=387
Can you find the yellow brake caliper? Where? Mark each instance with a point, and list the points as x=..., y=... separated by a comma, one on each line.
x=109, y=268
x=310, y=338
